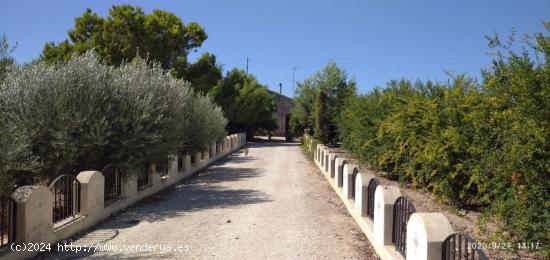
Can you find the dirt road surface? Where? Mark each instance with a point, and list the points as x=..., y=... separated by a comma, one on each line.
x=271, y=204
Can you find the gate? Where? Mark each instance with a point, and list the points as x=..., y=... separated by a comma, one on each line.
x=7, y=220
x=402, y=210
x=66, y=191
x=458, y=246
x=373, y=183
x=112, y=187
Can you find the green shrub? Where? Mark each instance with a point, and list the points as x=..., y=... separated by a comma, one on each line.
x=82, y=114
x=484, y=145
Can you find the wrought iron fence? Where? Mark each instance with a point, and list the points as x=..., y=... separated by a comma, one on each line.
x=181, y=162
x=66, y=191
x=459, y=246
x=373, y=183
x=112, y=176
x=143, y=178
x=353, y=176
x=193, y=159
x=402, y=210
x=333, y=166
x=341, y=174
x=7, y=220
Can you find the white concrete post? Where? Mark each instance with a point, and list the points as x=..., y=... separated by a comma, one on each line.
x=128, y=187
x=318, y=153
x=384, y=198
x=348, y=180
x=34, y=214
x=425, y=235
x=327, y=162
x=205, y=157
x=156, y=179
x=187, y=162
x=198, y=158
x=339, y=176
x=92, y=186
x=172, y=168
x=361, y=192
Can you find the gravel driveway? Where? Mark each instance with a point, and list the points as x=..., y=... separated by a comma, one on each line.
x=271, y=204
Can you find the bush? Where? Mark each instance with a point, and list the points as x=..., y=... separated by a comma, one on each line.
x=82, y=114
x=475, y=144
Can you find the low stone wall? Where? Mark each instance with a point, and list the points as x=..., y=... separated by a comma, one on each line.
x=425, y=232
x=34, y=204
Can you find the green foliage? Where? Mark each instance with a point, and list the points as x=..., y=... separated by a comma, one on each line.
x=475, y=144
x=321, y=117
x=6, y=60
x=246, y=103
x=314, y=143
x=83, y=114
x=203, y=75
x=337, y=88
x=128, y=33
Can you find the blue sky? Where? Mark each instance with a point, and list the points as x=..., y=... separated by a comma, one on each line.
x=375, y=41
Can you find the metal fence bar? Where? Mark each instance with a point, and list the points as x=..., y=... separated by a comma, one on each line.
x=143, y=177
x=373, y=183
x=112, y=185
x=402, y=210
x=7, y=220
x=460, y=246
x=66, y=190
x=340, y=176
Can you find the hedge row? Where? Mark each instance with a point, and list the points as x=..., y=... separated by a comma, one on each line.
x=484, y=145
x=82, y=114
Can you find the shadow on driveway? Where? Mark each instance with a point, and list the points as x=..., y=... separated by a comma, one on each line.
x=202, y=191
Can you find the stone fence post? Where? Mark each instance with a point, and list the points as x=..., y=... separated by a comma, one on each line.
x=425, y=235
x=384, y=198
x=92, y=187
x=34, y=214
x=348, y=190
x=362, y=181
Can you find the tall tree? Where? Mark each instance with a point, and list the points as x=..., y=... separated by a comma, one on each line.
x=336, y=89
x=203, y=74
x=6, y=59
x=127, y=32
x=246, y=103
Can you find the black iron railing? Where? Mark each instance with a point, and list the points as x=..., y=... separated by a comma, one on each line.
x=181, y=162
x=7, y=220
x=402, y=210
x=353, y=176
x=66, y=191
x=332, y=166
x=112, y=176
x=143, y=178
x=193, y=159
x=459, y=246
x=373, y=183
x=341, y=174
